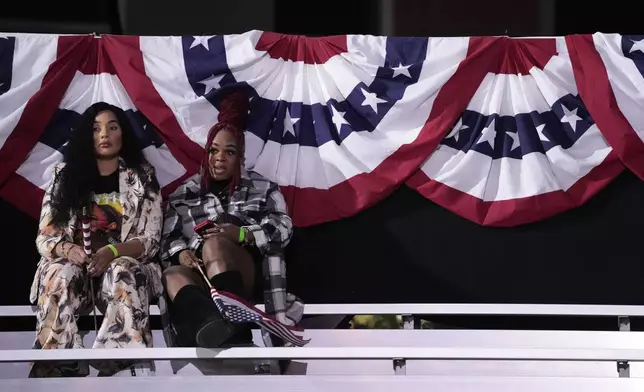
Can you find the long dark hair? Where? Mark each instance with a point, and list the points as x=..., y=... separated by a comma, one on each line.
x=233, y=117
x=74, y=183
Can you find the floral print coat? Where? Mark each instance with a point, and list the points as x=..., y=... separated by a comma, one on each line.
x=142, y=219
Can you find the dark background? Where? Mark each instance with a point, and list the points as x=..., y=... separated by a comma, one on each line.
x=405, y=249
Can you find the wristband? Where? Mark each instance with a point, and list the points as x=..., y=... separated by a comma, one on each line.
x=113, y=248
x=242, y=235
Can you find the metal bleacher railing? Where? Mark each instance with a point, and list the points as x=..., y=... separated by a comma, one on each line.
x=444, y=345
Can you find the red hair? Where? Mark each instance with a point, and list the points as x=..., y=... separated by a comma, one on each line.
x=233, y=116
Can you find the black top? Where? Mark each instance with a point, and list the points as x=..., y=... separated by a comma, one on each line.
x=107, y=184
x=220, y=190
x=105, y=213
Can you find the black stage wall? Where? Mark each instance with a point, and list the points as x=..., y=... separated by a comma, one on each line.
x=408, y=249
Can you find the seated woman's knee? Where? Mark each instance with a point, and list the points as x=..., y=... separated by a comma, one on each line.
x=175, y=277
x=65, y=270
x=216, y=248
x=175, y=272
x=126, y=264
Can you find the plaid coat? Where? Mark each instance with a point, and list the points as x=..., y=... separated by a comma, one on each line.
x=259, y=203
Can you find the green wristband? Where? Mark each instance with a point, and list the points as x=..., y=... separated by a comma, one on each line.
x=242, y=235
x=113, y=248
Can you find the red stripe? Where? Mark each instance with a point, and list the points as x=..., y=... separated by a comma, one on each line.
x=597, y=93
x=514, y=212
x=126, y=57
x=43, y=104
x=97, y=60
x=309, y=50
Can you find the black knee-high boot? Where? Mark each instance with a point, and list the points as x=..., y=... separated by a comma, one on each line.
x=230, y=281
x=197, y=320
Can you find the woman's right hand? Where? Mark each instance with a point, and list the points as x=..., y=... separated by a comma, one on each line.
x=188, y=258
x=75, y=254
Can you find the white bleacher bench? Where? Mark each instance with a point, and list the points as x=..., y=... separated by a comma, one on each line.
x=371, y=383
x=430, y=309
x=406, y=344
x=330, y=353
x=339, y=383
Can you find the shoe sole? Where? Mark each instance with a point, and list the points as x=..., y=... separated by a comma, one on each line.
x=213, y=335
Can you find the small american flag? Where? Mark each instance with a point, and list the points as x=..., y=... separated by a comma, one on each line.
x=237, y=310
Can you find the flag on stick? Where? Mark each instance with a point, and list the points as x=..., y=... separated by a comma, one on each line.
x=239, y=311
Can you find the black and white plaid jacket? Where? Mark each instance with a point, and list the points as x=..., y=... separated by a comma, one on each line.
x=259, y=203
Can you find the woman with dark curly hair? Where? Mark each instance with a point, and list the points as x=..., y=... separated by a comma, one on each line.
x=105, y=173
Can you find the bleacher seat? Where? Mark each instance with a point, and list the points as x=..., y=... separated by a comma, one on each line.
x=343, y=357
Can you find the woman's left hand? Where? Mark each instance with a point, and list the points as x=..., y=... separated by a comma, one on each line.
x=100, y=261
x=227, y=230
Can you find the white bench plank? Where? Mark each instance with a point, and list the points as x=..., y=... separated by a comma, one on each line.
x=478, y=309
x=328, y=353
x=328, y=383
x=417, y=338
x=410, y=338
x=437, y=309
x=474, y=338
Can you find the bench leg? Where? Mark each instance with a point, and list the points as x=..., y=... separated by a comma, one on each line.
x=400, y=364
x=623, y=367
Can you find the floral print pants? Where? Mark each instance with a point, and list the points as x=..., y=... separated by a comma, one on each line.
x=122, y=295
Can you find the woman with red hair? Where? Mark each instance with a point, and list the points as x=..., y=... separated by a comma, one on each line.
x=249, y=225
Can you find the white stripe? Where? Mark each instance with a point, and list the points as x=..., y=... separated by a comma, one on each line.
x=295, y=81
x=167, y=168
x=38, y=166
x=508, y=95
x=85, y=90
x=164, y=65
x=32, y=57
